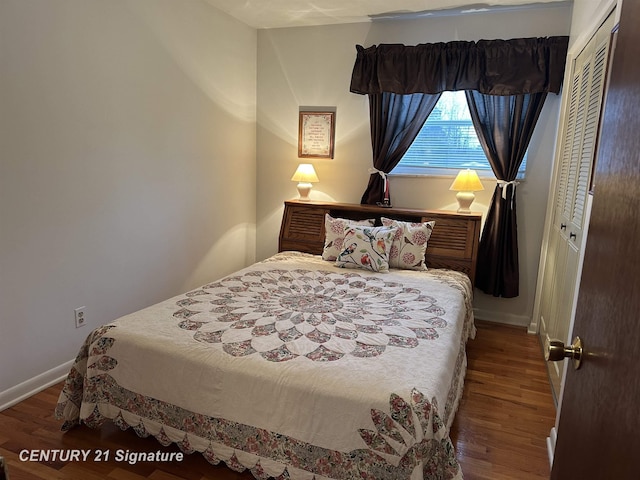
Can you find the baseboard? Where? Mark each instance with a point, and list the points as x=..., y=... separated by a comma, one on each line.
x=504, y=318
x=551, y=445
x=30, y=387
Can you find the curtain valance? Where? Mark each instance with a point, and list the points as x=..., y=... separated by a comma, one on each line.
x=494, y=67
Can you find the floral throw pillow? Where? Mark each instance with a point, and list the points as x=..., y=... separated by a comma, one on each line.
x=366, y=248
x=409, y=245
x=334, y=234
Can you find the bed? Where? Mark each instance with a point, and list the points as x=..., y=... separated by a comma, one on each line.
x=297, y=368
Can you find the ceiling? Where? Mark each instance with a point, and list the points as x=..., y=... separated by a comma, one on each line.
x=294, y=13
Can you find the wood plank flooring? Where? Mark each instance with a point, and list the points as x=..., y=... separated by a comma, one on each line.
x=507, y=408
x=499, y=433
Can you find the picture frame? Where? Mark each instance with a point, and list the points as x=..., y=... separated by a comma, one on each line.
x=316, y=134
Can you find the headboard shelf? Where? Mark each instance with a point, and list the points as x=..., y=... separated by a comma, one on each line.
x=453, y=243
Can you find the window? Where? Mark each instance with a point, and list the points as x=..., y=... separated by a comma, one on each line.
x=447, y=143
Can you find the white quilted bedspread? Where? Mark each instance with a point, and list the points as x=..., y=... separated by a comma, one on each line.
x=291, y=364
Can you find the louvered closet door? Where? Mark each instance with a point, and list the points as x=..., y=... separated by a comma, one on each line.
x=580, y=135
x=576, y=159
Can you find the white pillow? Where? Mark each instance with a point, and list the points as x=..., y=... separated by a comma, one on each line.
x=410, y=244
x=366, y=248
x=334, y=234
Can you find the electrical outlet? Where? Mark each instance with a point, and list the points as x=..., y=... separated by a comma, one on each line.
x=79, y=316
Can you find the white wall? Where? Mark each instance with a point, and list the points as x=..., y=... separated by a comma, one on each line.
x=302, y=67
x=127, y=144
x=587, y=16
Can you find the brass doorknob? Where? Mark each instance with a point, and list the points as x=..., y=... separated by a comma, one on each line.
x=555, y=350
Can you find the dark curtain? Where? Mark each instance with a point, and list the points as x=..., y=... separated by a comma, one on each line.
x=504, y=125
x=395, y=122
x=494, y=67
x=509, y=80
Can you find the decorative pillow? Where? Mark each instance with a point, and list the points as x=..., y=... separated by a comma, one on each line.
x=366, y=248
x=409, y=245
x=334, y=234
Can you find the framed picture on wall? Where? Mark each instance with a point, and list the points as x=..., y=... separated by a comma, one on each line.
x=316, y=134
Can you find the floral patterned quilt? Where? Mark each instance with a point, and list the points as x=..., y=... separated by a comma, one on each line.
x=292, y=368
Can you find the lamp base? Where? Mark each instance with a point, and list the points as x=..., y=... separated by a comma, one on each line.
x=465, y=199
x=303, y=191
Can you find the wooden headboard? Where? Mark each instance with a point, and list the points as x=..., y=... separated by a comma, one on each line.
x=453, y=243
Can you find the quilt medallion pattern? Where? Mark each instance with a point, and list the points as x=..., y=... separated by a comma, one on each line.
x=321, y=315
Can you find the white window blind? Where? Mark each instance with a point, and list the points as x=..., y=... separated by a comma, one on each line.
x=447, y=143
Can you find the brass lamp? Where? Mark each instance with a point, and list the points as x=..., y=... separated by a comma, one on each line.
x=305, y=175
x=465, y=184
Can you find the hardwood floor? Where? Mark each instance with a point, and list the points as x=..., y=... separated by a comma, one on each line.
x=507, y=408
x=499, y=433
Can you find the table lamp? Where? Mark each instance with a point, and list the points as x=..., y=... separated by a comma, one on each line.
x=305, y=175
x=465, y=184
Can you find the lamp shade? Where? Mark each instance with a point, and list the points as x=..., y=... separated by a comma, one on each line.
x=466, y=181
x=305, y=173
